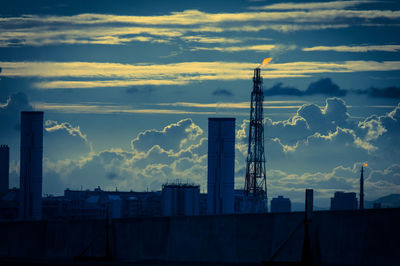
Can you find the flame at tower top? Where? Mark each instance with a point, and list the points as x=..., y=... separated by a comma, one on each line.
x=265, y=62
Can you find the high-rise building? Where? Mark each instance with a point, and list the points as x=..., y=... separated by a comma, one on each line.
x=344, y=201
x=31, y=156
x=221, y=165
x=281, y=204
x=4, y=168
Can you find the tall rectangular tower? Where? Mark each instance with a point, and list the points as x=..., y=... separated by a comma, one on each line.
x=221, y=165
x=4, y=168
x=31, y=156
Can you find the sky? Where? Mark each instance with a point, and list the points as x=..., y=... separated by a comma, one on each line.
x=127, y=88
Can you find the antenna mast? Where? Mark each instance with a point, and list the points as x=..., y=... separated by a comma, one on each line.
x=256, y=182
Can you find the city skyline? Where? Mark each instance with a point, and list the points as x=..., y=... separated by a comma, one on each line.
x=126, y=91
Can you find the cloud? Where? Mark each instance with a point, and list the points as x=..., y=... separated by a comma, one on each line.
x=326, y=86
x=90, y=108
x=65, y=140
x=316, y=138
x=109, y=29
x=256, y=48
x=323, y=86
x=279, y=89
x=95, y=75
x=48, y=34
x=222, y=92
x=209, y=39
x=135, y=90
x=171, y=138
x=390, y=174
x=318, y=147
x=382, y=131
x=325, y=119
x=325, y=183
x=176, y=151
x=272, y=48
x=195, y=17
x=310, y=6
x=388, y=92
x=279, y=27
x=355, y=48
x=52, y=126
x=10, y=113
x=236, y=105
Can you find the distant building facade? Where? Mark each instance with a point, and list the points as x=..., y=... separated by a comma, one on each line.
x=221, y=165
x=344, y=201
x=98, y=203
x=281, y=204
x=31, y=155
x=180, y=199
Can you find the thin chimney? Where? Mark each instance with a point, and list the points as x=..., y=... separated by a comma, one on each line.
x=362, y=188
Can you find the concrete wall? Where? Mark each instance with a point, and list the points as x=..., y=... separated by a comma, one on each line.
x=369, y=237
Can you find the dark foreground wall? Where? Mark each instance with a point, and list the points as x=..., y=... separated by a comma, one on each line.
x=369, y=237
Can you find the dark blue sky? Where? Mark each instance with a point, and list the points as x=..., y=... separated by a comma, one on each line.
x=127, y=88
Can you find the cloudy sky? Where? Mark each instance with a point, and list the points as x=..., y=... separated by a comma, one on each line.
x=127, y=88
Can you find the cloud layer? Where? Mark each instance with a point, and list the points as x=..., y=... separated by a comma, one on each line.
x=323, y=86
x=191, y=25
x=326, y=86
x=61, y=75
x=318, y=147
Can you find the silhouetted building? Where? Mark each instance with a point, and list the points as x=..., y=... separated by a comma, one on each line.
x=84, y=204
x=8, y=197
x=344, y=201
x=54, y=207
x=4, y=168
x=221, y=165
x=180, y=199
x=377, y=205
x=131, y=206
x=9, y=204
x=31, y=165
x=239, y=195
x=281, y=204
x=203, y=204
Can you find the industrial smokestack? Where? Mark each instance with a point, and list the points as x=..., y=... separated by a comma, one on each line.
x=257, y=75
x=4, y=168
x=362, y=187
x=31, y=156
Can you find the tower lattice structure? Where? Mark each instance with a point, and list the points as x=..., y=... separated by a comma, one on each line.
x=256, y=182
